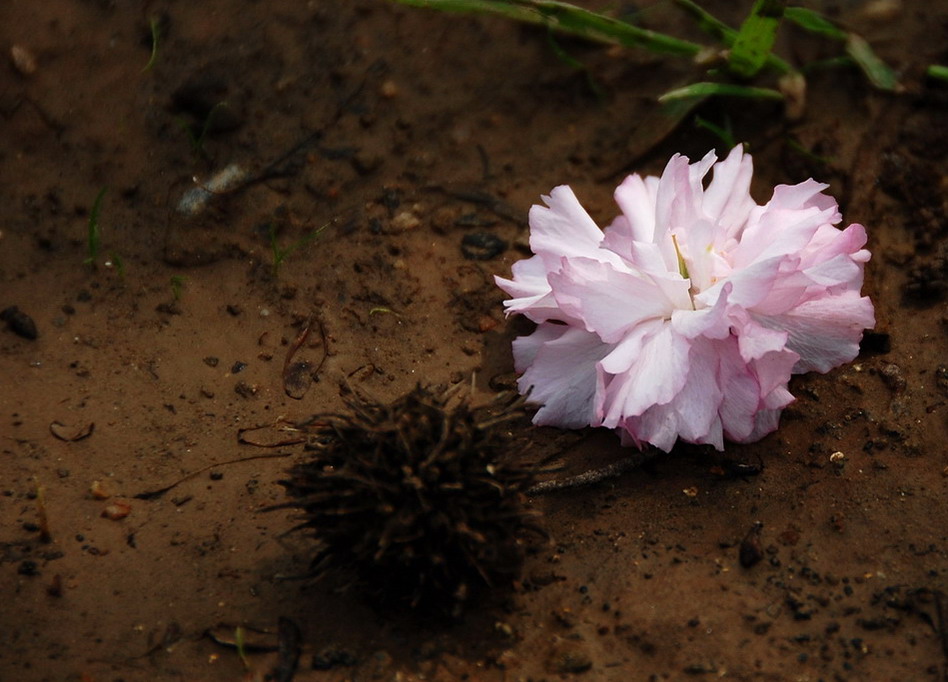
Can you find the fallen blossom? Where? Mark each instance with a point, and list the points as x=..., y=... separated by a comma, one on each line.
x=686, y=317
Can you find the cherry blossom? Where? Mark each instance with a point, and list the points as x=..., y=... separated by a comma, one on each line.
x=686, y=317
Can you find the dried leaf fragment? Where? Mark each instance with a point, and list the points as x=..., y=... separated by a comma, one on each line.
x=70, y=434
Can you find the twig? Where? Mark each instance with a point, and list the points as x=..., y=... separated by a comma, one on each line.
x=590, y=477
x=155, y=494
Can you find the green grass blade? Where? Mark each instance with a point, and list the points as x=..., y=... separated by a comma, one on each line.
x=575, y=64
x=567, y=18
x=756, y=38
x=814, y=22
x=720, y=90
x=708, y=23
x=155, y=26
x=876, y=70
x=937, y=71
x=723, y=134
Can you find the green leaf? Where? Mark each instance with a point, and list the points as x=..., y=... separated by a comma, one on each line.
x=723, y=33
x=567, y=18
x=720, y=89
x=876, y=70
x=756, y=38
x=813, y=22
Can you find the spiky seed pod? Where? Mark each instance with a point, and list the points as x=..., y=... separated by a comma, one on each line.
x=416, y=502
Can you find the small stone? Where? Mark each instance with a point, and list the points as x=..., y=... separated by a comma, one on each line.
x=116, y=511
x=19, y=323
x=404, y=221
x=892, y=376
x=389, y=89
x=98, y=492
x=28, y=567
x=482, y=246
x=245, y=390
x=23, y=60
x=750, y=552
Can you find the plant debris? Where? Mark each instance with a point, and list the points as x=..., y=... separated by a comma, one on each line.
x=415, y=502
x=70, y=433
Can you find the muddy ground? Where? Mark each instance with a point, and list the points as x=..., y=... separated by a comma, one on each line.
x=406, y=133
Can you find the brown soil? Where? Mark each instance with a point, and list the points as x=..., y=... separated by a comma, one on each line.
x=405, y=131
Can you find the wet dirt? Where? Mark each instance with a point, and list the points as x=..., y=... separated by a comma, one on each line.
x=414, y=143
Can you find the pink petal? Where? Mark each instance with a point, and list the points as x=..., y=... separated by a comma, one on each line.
x=692, y=414
x=749, y=286
x=561, y=374
x=710, y=322
x=529, y=289
x=637, y=204
x=625, y=353
x=825, y=332
x=608, y=301
x=829, y=242
x=658, y=373
x=755, y=340
x=564, y=230
x=806, y=194
x=777, y=233
x=727, y=200
x=741, y=393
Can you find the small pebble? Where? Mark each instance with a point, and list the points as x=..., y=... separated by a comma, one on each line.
x=19, y=322
x=116, y=511
x=23, y=60
x=28, y=567
x=482, y=246
x=98, y=492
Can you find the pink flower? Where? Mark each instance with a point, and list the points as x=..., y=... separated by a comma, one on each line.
x=686, y=317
